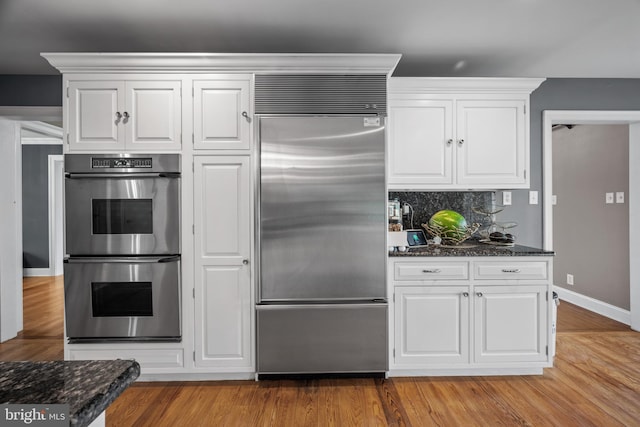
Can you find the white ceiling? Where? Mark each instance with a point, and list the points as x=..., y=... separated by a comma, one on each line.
x=502, y=38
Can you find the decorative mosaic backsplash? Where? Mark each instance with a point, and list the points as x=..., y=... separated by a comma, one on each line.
x=425, y=204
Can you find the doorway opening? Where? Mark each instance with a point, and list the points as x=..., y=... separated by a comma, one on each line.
x=632, y=119
x=11, y=226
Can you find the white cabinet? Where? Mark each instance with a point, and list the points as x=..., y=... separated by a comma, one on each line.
x=447, y=322
x=122, y=115
x=223, y=297
x=222, y=113
x=458, y=133
x=510, y=323
x=431, y=325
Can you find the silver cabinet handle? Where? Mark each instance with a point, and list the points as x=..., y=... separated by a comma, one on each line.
x=479, y=294
x=465, y=294
x=511, y=270
x=449, y=141
x=118, y=115
x=435, y=270
x=125, y=115
x=460, y=141
x=245, y=261
x=245, y=115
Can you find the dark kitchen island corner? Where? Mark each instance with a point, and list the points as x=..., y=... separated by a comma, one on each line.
x=88, y=387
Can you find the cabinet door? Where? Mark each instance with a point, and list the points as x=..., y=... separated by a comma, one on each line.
x=420, y=143
x=431, y=325
x=222, y=114
x=491, y=141
x=154, y=115
x=223, y=304
x=94, y=115
x=510, y=323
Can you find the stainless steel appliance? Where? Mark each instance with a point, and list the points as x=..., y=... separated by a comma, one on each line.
x=322, y=304
x=122, y=273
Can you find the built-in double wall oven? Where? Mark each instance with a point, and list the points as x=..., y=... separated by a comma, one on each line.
x=122, y=227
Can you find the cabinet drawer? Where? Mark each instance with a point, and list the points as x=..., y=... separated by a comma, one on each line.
x=531, y=270
x=431, y=271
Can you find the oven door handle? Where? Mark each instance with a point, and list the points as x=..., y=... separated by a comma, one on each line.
x=123, y=175
x=125, y=260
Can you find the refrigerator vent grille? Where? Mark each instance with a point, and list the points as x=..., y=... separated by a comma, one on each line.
x=321, y=94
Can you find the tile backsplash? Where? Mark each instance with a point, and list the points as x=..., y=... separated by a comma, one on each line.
x=425, y=204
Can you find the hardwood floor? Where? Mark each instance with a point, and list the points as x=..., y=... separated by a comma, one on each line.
x=595, y=381
x=42, y=333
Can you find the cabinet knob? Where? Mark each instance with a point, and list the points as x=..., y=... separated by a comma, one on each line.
x=245, y=261
x=246, y=116
x=118, y=115
x=449, y=141
x=465, y=294
x=125, y=115
x=479, y=294
x=460, y=141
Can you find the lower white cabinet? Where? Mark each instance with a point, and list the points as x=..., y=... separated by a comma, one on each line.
x=431, y=325
x=474, y=326
x=510, y=323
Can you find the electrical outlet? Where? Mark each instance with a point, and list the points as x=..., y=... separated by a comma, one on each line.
x=554, y=200
x=533, y=197
x=506, y=198
x=570, y=279
x=619, y=196
x=608, y=198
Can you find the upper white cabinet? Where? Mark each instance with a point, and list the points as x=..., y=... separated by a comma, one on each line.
x=458, y=133
x=222, y=113
x=122, y=115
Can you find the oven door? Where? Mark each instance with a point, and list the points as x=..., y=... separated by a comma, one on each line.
x=122, y=299
x=125, y=214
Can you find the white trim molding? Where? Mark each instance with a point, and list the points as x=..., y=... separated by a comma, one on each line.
x=432, y=85
x=592, y=304
x=47, y=130
x=104, y=62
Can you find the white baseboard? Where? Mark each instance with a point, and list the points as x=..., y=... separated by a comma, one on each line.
x=597, y=306
x=37, y=272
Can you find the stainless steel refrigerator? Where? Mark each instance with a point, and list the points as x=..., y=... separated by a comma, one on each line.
x=322, y=301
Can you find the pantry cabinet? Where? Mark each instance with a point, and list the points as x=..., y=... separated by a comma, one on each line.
x=469, y=316
x=119, y=115
x=458, y=133
x=222, y=293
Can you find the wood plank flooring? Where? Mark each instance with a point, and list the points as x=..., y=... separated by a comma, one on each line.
x=595, y=382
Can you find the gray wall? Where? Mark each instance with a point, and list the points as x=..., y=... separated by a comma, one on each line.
x=31, y=91
x=564, y=94
x=590, y=237
x=35, y=204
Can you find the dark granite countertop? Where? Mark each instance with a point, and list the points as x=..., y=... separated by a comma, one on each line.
x=88, y=387
x=472, y=248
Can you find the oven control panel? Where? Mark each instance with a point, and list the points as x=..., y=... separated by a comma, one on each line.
x=121, y=163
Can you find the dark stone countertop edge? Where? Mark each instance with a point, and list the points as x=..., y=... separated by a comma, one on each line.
x=478, y=250
x=92, y=409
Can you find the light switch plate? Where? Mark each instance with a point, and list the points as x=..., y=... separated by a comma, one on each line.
x=506, y=198
x=554, y=200
x=619, y=196
x=533, y=197
x=608, y=198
